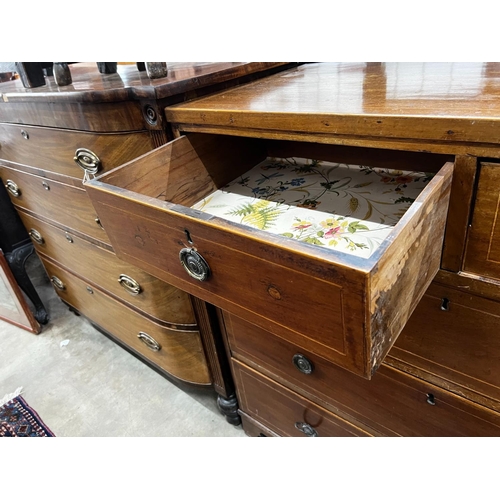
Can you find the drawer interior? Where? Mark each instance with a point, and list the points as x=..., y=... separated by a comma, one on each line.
x=359, y=286
x=314, y=194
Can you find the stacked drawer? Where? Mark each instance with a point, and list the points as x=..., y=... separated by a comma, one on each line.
x=269, y=370
x=39, y=167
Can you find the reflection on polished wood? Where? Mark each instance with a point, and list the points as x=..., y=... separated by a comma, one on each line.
x=460, y=102
x=91, y=86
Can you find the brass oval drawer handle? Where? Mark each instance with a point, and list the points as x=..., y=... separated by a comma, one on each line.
x=194, y=264
x=302, y=364
x=87, y=160
x=58, y=283
x=36, y=236
x=306, y=429
x=149, y=341
x=13, y=188
x=129, y=284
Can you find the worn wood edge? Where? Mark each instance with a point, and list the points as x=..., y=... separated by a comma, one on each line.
x=348, y=264
x=399, y=243
x=462, y=191
x=443, y=383
x=388, y=126
x=474, y=284
x=423, y=146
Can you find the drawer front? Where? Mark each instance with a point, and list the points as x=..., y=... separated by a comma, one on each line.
x=178, y=353
x=454, y=336
x=482, y=255
x=253, y=428
x=102, y=268
x=284, y=411
x=55, y=150
x=392, y=403
x=355, y=307
x=55, y=201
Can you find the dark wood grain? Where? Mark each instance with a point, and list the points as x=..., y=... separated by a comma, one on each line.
x=459, y=347
x=391, y=403
x=279, y=408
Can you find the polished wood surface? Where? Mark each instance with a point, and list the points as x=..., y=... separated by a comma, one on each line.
x=89, y=85
x=54, y=150
x=455, y=342
x=390, y=105
x=180, y=354
x=121, y=101
x=391, y=403
x=101, y=268
x=377, y=294
x=65, y=204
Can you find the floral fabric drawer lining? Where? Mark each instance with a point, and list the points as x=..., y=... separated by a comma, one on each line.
x=350, y=208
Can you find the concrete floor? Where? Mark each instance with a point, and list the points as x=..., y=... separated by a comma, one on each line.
x=90, y=386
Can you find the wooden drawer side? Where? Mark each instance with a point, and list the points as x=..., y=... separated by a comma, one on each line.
x=407, y=265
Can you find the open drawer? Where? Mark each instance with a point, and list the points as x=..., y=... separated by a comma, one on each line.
x=275, y=246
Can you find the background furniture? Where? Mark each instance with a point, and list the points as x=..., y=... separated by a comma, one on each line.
x=307, y=358
x=52, y=138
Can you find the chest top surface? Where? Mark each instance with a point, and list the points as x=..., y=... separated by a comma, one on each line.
x=449, y=102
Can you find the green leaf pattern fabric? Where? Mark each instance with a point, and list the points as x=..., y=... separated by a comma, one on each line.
x=349, y=208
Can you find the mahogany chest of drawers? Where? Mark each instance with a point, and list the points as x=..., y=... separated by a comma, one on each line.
x=51, y=140
x=331, y=332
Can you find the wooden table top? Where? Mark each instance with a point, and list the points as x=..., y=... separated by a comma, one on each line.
x=128, y=83
x=441, y=103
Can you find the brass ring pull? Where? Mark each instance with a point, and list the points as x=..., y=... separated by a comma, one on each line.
x=87, y=160
x=129, y=284
x=306, y=429
x=13, y=188
x=36, y=236
x=149, y=341
x=302, y=364
x=58, y=283
x=194, y=264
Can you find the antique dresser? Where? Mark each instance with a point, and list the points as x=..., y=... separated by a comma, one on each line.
x=342, y=219
x=54, y=137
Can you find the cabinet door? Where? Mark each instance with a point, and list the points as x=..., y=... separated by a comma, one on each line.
x=483, y=244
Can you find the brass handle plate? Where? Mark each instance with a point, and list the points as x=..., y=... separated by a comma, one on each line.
x=87, y=160
x=194, y=264
x=13, y=188
x=129, y=284
x=149, y=341
x=57, y=283
x=36, y=236
x=308, y=430
x=302, y=364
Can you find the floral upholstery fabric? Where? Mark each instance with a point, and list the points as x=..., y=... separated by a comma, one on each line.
x=348, y=208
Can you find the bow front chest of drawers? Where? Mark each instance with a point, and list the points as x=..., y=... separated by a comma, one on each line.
x=342, y=219
x=52, y=139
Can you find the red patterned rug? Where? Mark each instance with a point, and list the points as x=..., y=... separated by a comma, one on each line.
x=18, y=419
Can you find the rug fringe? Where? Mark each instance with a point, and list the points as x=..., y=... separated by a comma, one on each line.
x=10, y=397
